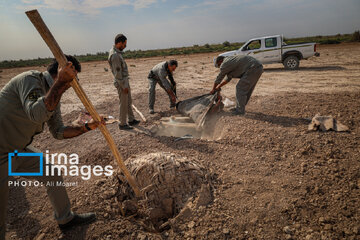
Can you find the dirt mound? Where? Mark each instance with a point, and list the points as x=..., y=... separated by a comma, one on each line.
x=170, y=183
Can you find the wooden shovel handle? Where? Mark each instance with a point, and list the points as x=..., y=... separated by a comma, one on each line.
x=45, y=33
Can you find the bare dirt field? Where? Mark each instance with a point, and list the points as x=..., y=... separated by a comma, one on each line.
x=271, y=178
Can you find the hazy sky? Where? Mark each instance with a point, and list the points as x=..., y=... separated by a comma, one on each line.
x=89, y=26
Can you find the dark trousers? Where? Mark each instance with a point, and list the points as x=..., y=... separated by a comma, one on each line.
x=246, y=86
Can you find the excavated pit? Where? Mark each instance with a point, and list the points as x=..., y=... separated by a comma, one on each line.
x=184, y=127
x=172, y=187
x=198, y=119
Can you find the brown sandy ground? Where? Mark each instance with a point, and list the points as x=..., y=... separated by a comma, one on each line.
x=274, y=179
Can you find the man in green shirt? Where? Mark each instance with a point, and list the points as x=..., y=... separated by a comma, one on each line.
x=247, y=68
x=121, y=81
x=27, y=101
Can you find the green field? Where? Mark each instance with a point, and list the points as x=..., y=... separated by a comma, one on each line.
x=226, y=46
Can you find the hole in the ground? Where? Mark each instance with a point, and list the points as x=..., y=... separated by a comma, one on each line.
x=172, y=185
x=198, y=119
x=184, y=127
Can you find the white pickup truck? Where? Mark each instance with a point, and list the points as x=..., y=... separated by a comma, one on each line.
x=272, y=49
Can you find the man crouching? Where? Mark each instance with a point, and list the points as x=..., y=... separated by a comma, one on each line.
x=159, y=75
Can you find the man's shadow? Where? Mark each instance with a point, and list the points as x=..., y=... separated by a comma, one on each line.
x=24, y=224
x=278, y=120
x=77, y=233
x=323, y=68
x=18, y=217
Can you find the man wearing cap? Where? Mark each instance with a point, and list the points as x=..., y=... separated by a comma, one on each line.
x=247, y=68
x=159, y=74
x=26, y=102
x=121, y=81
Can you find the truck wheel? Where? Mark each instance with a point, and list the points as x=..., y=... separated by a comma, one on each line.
x=291, y=62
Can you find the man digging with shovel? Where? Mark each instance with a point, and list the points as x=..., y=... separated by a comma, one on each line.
x=26, y=102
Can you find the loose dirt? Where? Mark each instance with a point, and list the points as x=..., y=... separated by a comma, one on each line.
x=271, y=177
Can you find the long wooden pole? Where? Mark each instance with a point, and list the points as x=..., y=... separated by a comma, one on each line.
x=49, y=39
x=140, y=113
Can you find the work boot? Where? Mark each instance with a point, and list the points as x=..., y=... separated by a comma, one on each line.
x=125, y=127
x=151, y=111
x=79, y=219
x=236, y=111
x=134, y=122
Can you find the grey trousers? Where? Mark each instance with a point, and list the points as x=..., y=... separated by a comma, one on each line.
x=246, y=86
x=126, y=112
x=57, y=194
x=152, y=87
